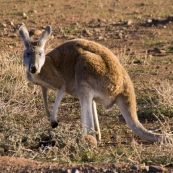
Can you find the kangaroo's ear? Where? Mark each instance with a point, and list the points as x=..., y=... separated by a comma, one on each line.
x=45, y=35
x=24, y=34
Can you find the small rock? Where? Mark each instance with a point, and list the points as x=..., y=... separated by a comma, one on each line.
x=25, y=16
x=68, y=171
x=86, y=32
x=91, y=139
x=12, y=23
x=11, y=47
x=35, y=11
x=149, y=21
x=134, y=167
x=101, y=20
x=150, y=56
x=144, y=168
x=137, y=12
x=155, y=168
x=63, y=169
x=139, y=17
x=120, y=35
x=77, y=24
x=101, y=38
x=129, y=22
x=4, y=25
x=96, y=30
x=35, y=33
x=162, y=51
x=14, y=35
x=5, y=33
x=52, y=37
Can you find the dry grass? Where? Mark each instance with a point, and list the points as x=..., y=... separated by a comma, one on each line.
x=25, y=130
x=128, y=56
x=124, y=56
x=165, y=93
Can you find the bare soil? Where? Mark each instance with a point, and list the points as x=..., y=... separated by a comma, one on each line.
x=138, y=27
x=10, y=164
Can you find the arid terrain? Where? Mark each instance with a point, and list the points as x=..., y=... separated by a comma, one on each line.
x=140, y=34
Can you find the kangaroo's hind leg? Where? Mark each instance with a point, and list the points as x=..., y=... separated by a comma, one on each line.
x=85, y=98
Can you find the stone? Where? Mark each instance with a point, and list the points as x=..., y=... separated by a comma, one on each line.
x=35, y=33
x=86, y=32
x=129, y=22
x=101, y=38
x=12, y=23
x=91, y=139
x=4, y=25
x=68, y=171
x=25, y=16
x=149, y=21
x=155, y=168
x=35, y=11
x=120, y=35
x=134, y=167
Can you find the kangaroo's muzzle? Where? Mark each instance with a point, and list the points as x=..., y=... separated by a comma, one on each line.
x=33, y=68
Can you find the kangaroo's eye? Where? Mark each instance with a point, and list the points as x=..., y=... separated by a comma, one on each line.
x=40, y=54
x=28, y=54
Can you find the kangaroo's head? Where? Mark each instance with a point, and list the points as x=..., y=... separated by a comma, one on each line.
x=34, y=56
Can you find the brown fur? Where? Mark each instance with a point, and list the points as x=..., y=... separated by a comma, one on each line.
x=91, y=72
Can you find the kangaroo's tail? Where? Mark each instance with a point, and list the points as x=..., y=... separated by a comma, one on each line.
x=137, y=128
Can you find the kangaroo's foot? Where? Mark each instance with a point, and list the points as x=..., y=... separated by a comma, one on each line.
x=54, y=124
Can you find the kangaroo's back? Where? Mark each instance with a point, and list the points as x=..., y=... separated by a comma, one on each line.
x=91, y=62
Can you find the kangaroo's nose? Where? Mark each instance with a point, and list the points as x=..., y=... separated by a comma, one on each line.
x=32, y=68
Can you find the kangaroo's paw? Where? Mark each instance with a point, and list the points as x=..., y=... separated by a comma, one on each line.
x=54, y=124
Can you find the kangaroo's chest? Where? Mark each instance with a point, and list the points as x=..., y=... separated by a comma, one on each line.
x=51, y=81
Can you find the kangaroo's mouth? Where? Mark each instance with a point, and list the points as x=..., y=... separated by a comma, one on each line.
x=32, y=69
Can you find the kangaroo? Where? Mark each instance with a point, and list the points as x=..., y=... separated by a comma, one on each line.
x=87, y=70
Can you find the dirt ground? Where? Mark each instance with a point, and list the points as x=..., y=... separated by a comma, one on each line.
x=10, y=164
x=139, y=27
